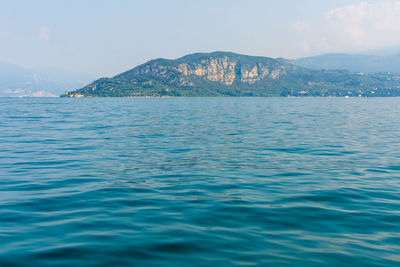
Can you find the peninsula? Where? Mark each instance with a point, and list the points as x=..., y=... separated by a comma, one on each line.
x=230, y=74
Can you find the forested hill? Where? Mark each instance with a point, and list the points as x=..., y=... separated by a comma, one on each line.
x=230, y=74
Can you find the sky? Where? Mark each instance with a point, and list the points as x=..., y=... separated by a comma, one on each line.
x=104, y=38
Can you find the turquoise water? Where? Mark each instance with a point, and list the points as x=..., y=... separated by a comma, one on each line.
x=200, y=182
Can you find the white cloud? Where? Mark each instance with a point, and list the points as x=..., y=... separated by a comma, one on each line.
x=44, y=33
x=366, y=24
x=350, y=28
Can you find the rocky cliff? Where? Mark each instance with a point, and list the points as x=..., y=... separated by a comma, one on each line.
x=227, y=69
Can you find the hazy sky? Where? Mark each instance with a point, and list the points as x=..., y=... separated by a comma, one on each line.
x=106, y=37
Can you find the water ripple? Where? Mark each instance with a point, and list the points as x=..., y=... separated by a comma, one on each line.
x=199, y=182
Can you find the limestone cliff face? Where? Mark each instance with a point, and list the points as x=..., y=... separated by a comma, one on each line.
x=253, y=73
x=227, y=70
x=221, y=70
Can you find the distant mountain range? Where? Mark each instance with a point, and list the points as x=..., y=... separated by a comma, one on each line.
x=230, y=74
x=353, y=63
x=16, y=81
x=219, y=74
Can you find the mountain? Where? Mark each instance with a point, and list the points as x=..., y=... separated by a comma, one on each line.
x=383, y=51
x=230, y=74
x=354, y=63
x=16, y=81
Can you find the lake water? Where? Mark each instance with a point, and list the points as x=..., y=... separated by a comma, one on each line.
x=200, y=182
